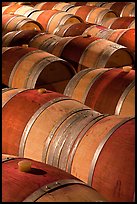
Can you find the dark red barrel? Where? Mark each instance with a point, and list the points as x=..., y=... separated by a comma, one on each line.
x=18, y=38
x=71, y=29
x=42, y=183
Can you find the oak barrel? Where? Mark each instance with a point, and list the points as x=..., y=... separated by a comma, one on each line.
x=43, y=38
x=125, y=37
x=45, y=5
x=18, y=22
x=109, y=152
x=62, y=6
x=63, y=141
x=119, y=23
x=62, y=18
x=83, y=52
x=27, y=67
x=121, y=8
x=43, y=16
x=18, y=38
x=43, y=107
x=71, y=29
x=98, y=88
x=11, y=8
x=43, y=183
x=92, y=14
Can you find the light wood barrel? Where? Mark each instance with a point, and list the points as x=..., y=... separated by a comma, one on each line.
x=119, y=23
x=43, y=183
x=121, y=8
x=39, y=107
x=125, y=37
x=29, y=12
x=98, y=4
x=78, y=51
x=18, y=38
x=45, y=5
x=67, y=143
x=44, y=16
x=94, y=30
x=33, y=68
x=25, y=10
x=19, y=22
x=98, y=15
x=100, y=87
x=6, y=18
x=39, y=40
x=81, y=11
x=62, y=6
x=62, y=18
x=10, y=8
x=92, y=14
x=110, y=143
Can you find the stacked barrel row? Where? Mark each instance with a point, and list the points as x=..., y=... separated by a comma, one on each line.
x=69, y=102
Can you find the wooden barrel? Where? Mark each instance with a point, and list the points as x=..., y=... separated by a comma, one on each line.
x=87, y=3
x=79, y=49
x=59, y=45
x=23, y=9
x=50, y=19
x=98, y=4
x=6, y=18
x=45, y=5
x=62, y=6
x=18, y=38
x=100, y=87
x=125, y=37
x=65, y=143
x=119, y=23
x=43, y=183
x=108, y=147
x=92, y=14
x=121, y=8
x=29, y=12
x=10, y=8
x=98, y=15
x=62, y=18
x=38, y=107
x=43, y=17
x=39, y=40
x=94, y=30
x=19, y=22
x=128, y=10
x=81, y=11
x=33, y=68
x=71, y=29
